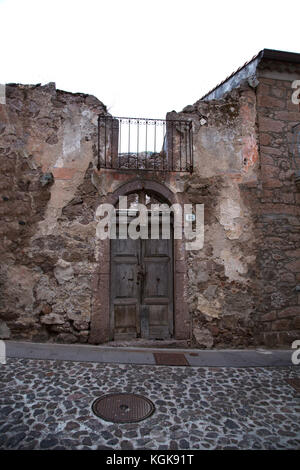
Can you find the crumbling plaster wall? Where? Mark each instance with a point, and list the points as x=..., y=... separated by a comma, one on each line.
x=221, y=288
x=48, y=277
x=48, y=146
x=250, y=296
x=241, y=287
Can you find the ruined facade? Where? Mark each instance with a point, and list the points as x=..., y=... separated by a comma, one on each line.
x=240, y=290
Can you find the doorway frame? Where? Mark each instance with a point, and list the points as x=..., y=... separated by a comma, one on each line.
x=100, y=318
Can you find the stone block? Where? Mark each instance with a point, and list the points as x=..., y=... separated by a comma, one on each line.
x=294, y=266
x=66, y=338
x=280, y=325
x=4, y=330
x=270, y=339
x=278, y=92
x=45, y=309
x=52, y=319
x=286, y=338
x=271, y=102
x=289, y=312
x=81, y=325
x=270, y=125
x=203, y=337
x=265, y=139
x=296, y=323
x=272, y=183
x=269, y=316
x=63, y=271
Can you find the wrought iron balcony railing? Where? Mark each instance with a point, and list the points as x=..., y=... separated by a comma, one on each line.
x=145, y=144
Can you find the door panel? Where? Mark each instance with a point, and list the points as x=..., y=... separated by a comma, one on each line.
x=124, y=290
x=141, y=289
x=125, y=273
x=159, y=322
x=126, y=319
x=156, y=247
x=157, y=292
x=156, y=277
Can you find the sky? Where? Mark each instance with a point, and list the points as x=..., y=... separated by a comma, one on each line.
x=141, y=58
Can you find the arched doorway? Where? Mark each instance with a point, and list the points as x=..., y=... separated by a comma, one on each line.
x=102, y=323
x=141, y=272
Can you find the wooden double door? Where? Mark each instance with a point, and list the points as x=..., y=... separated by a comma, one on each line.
x=142, y=288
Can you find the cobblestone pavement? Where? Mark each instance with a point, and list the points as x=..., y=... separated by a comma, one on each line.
x=47, y=405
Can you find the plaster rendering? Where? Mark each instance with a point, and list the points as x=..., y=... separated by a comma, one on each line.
x=239, y=290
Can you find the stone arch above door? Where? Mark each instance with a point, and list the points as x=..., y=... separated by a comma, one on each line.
x=146, y=185
x=100, y=321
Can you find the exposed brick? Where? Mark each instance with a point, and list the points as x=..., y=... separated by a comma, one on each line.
x=269, y=172
x=270, y=102
x=63, y=173
x=267, y=159
x=270, y=125
x=288, y=278
x=271, y=150
x=296, y=323
x=265, y=139
x=294, y=266
x=289, y=312
x=270, y=339
x=291, y=106
x=287, y=198
x=287, y=116
x=280, y=209
x=278, y=92
x=293, y=253
x=287, y=337
x=272, y=183
x=266, y=326
x=270, y=316
x=281, y=325
x=263, y=89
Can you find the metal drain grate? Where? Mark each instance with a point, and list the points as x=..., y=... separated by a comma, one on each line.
x=170, y=359
x=295, y=383
x=123, y=407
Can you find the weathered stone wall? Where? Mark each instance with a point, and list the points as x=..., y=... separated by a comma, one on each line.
x=222, y=274
x=241, y=288
x=48, y=146
x=277, y=318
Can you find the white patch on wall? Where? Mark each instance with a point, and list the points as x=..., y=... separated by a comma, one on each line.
x=88, y=115
x=71, y=144
x=71, y=139
x=233, y=265
x=63, y=271
x=210, y=308
x=2, y=94
x=230, y=210
x=59, y=162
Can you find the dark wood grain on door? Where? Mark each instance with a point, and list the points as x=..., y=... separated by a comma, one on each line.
x=141, y=288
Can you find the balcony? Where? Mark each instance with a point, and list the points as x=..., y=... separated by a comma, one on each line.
x=145, y=144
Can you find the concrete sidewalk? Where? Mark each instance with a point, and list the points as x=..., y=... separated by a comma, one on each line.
x=126, y=355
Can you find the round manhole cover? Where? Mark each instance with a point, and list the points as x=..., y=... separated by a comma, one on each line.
x=123, y=407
